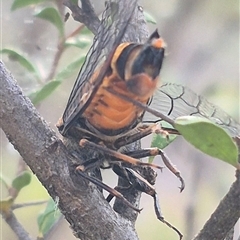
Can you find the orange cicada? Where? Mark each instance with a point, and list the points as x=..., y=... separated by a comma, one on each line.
x=102, y=115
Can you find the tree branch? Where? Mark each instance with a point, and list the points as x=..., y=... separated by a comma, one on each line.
x=17, y=228
x=225, y=216
x=84, y=208
x=85, y=15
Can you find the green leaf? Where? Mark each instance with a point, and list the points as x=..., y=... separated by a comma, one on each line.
x=161, y=141
x=44, y=92
x=22, y=180
x=39, y=95
x=48, y=218
x=86, y=31
x=52, y=15
x=149, y=18
x=78, y=42
x=23, y=3
x=14, y=56
x=5, y=205
x=209, y=138
x=67, y=72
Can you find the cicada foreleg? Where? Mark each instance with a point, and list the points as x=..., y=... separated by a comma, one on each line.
x=148, y=152
x=117, y=156
x=141, y=153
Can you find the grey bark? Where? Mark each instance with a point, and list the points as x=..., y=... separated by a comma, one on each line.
x=88, y=213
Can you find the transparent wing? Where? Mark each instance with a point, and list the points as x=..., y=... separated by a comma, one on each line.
x=115, y=20
x=175, y=100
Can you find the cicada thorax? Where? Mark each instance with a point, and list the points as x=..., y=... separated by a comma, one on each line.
x=134, y=72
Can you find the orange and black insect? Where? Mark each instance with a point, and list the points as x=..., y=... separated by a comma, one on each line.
x=133, y=71
x=95, y=114
x=101, y=113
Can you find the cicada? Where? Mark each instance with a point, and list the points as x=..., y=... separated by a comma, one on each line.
x=100, y=117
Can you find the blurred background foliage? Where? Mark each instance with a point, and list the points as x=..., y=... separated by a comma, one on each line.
x=202, y=53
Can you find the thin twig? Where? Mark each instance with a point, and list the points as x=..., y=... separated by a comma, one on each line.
x=17, y=228
x=225, y=216
x=28, y=204
x=89, y=18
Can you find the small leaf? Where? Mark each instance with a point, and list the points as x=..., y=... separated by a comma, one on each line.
x=14, y=56
x=39, y=95
x=52, y=15
x=22, y=180
x=209, y=138
x=44, y=92
x=149, y=18
x=66, y=72
x=48, y=218
x=78, y=42
x=5, y=206
x=86, y=31
x=23, y=3
x=161, y=141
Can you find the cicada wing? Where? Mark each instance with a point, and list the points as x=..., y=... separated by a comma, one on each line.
x=175, y=100
x=115, y=20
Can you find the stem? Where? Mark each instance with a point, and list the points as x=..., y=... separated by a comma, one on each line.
x=17, y=228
